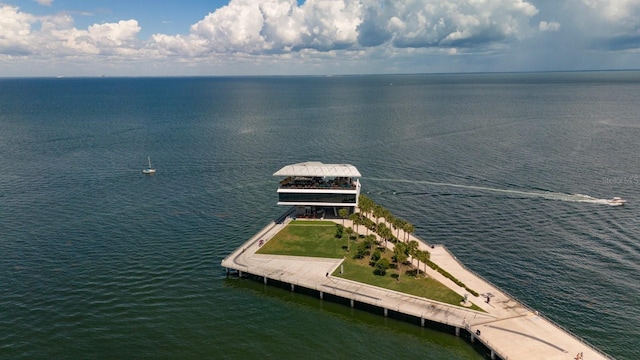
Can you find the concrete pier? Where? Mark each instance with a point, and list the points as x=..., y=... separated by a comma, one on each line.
x=507, y=328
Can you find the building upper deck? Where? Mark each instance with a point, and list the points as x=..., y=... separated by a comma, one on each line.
x=320, y=183
x=318, y=176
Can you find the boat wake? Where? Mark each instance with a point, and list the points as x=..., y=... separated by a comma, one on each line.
x=550, y=195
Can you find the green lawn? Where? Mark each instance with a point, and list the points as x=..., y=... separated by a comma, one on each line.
x=426, y=287
x=317, y=239
x=307, y=238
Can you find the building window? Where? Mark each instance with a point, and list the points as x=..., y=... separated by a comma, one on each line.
x=318, y=198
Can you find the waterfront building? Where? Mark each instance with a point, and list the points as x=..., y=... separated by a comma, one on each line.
x=318, y=190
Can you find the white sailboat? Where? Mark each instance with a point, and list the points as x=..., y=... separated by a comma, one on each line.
x=149, y=170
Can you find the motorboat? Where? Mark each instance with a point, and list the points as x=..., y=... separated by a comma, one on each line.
x=616, y=201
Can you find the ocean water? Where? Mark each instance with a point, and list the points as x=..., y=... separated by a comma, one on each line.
x=100, y=261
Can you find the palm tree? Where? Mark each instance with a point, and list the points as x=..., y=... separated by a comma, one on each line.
x=365, y=204
x=349, y=234
x=400, y=252
x=355, y=218
x=388, y=216
x=398, y=224
x=370, y=240
x=378, y=212
x=424, y=256
x=344, y=213
x=391, y=220
x=417, y=254
x=408, y=229
x=384, y=232
x=412, y=248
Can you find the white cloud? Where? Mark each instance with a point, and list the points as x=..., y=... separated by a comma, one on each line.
x=609, y=24
x=253, y=27
x=232, y=28
x=549, y=26
x=15, y=30
x=330, y=25
x=280, y=26
x=285, y=34
x=114, y=34
x=621, y=14
x=55, y=36
x=283, y=26
x=615, y=10
x=167, y=45
x=108, y=38
x=462, y=23
x=45, y=2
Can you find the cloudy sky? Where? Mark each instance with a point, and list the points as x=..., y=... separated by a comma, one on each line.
x=281, y=37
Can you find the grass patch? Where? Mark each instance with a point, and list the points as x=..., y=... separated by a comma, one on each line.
x=426, y=287
x=307, y=238
x=318, y=239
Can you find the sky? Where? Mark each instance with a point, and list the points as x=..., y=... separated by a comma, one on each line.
x=314, y=37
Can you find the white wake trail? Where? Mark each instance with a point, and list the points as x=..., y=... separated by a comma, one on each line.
x=550, y=195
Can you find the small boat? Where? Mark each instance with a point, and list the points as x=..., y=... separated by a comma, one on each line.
x=616, y=201
x=149, y=170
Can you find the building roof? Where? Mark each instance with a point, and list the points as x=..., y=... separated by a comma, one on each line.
x=315, y=168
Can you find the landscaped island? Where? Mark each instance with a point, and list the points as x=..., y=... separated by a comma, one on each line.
x=371, y=258
x=356, y=250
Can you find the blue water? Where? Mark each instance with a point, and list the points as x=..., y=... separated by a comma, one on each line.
x=99, y=261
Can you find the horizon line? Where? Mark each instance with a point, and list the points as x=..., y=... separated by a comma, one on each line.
x=313, y=75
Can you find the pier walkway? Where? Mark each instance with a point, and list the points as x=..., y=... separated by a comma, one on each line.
x=508, y=329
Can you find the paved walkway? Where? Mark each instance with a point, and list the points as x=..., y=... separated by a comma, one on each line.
x=508, y=328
